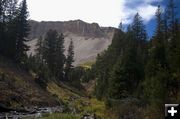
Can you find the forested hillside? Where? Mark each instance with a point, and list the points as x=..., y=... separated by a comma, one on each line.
x=141, y=72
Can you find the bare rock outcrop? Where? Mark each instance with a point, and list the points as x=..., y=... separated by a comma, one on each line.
x=89, y=39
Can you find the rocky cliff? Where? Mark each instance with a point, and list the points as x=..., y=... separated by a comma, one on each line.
x=89, y=39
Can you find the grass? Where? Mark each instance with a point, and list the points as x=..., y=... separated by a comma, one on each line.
x=63, y=93
x=83, y=105
x=96, y=106
x=87, y=65
x=62, y=116
x=57, y=116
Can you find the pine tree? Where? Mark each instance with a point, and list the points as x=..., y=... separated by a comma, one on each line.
x=173, y=32
x=138, y=29
x=156, y=69
x=139, y=37
x=176, y=52
x=69, y=60
x=1, y=8
x=8, y=27
x=39, y=50
x=102, y=75
x=2, y=25
x=22, y=32
x=11, y=26
x=49, y=50
x=171, y=17
x=173, y=48
x=11, y=9
x=53, y=53
x=126, y=75
x=60, y=58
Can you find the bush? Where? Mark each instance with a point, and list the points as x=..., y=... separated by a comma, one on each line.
x=124, y=109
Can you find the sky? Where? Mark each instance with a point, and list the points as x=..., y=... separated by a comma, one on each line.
x=103, y=12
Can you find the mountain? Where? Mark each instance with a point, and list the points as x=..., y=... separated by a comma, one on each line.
x=89, y=39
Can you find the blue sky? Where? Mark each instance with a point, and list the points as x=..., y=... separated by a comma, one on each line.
x=150, y=26
x=103, y=12
x=148, y=15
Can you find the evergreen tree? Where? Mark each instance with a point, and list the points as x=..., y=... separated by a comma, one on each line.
x=11, y=9
x=171, y=17
x=173, y=51
x=156, y=69
x=173, y=32
x=102, y=75
x=39, y=50
x=139, y=37
x=126, y=75
x=53, y=53
x=11, y=26
x=60, y=58
x=138, y=29
x=69, y=60
x=8, y=27
x=176, y=50
x=105, y=63
x=22, y=32
x=2, y=25
x=49, y=50
x=1, y=9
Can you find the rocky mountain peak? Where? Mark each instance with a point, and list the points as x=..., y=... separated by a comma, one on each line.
x=77, y=27
x=89, y=38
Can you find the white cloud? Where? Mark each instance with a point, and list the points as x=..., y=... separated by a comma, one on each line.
x=104, y=12
x=144, y=7
x=147, y=12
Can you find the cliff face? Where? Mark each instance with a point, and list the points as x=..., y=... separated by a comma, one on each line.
x=89, y=39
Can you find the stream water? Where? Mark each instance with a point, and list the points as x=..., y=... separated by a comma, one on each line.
x=32, y=113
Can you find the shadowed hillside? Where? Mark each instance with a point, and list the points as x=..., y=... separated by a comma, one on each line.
x=19, y=88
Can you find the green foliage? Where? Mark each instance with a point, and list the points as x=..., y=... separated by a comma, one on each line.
x=121, y=66
x=156, y=88
x=75, y=77
x=49, y=51
x=89, y=74
x=120, y=109
x=69, y=60
x=60, y=58
x=138, y=28
x=22, y=33
x=52, y=53
x=118, y=85
x=39, y=50
x=105, y=62
x=128, y=72
x=14, y=29
x=135, y=67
